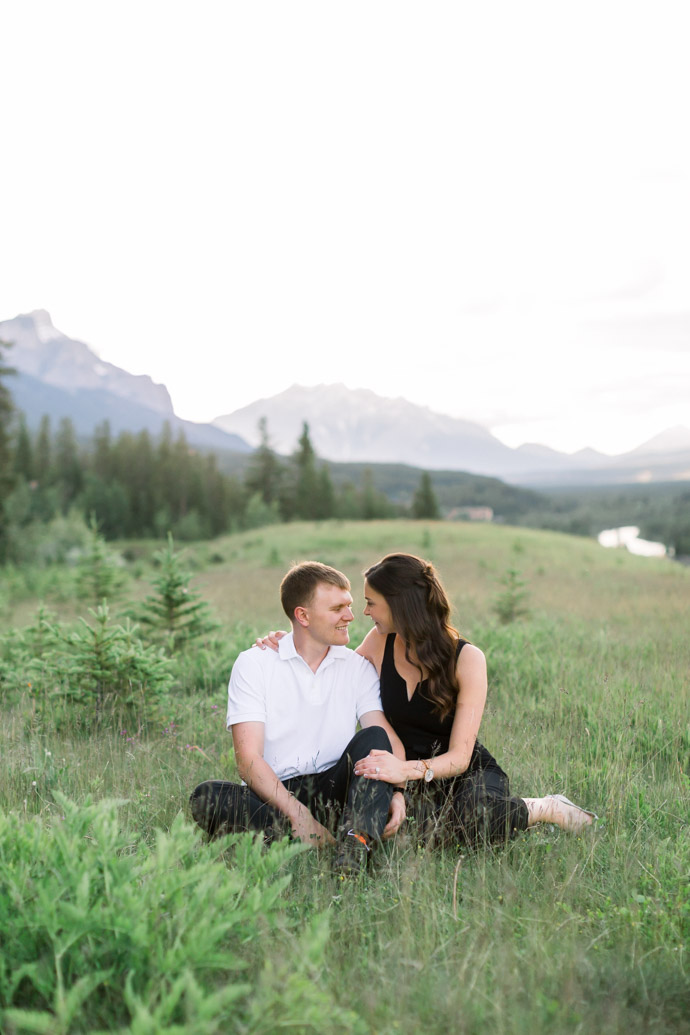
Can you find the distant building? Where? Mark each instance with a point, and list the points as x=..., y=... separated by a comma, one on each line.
x=471, y=514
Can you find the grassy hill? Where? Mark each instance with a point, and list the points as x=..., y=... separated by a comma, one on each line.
x=588, y=696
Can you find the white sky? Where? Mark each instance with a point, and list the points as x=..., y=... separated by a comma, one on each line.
x=483, y=207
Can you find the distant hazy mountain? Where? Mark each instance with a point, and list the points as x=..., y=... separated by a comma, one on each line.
x=673, y=440
x=663, y=458
x=62, y=377
x=358, y=425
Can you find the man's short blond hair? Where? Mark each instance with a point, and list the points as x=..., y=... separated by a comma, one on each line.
x=299, y=585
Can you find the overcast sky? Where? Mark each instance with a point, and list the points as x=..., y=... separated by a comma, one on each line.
x=483, y=207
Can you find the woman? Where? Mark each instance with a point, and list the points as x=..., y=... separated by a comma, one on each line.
x=433, y=691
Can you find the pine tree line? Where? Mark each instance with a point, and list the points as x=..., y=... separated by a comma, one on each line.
x=135, y=485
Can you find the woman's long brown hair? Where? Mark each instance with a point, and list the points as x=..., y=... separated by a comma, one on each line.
x=421, y=615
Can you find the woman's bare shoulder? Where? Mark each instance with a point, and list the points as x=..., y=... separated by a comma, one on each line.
x=470, y=658
x=372, y=647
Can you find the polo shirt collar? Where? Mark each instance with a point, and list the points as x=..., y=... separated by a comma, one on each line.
x=286, y=647
x=287, y=651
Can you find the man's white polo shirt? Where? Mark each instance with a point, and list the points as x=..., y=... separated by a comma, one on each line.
x=309, y=717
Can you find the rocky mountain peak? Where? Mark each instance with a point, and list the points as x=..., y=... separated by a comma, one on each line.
x=45, y=330
x=44, y=352
x=359, y=425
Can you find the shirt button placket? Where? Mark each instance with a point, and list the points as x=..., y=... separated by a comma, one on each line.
x=314, y=690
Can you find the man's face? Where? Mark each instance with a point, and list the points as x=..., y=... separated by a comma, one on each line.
x=328, y=615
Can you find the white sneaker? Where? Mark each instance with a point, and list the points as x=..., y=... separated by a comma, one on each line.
x=576, y=820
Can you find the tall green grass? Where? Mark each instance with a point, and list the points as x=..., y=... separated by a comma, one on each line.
x=120, y=917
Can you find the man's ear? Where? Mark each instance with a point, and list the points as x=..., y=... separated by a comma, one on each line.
x=301, y=616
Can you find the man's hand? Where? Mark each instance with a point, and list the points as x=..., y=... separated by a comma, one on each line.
x=396, y=815
x=248, y=740
x=309, y=831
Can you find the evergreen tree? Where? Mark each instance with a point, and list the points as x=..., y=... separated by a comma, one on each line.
x=68, y=468
x=6, y=415
x=265, y=471
x=307, y=482
x=43, y=458
x=222, y=505
x=175, y=612
x=107, y=667
x=23, y=452
x=369, y=508
x=164, y=480
x=511, y=604
x=425, y=503
x=348, y=504
x=141, y=478
x=102, y=461
x=108, y=501
x=374, y=504
x=122, y=458
x=325, y=496
x=6, y=472
x=100, y=576
x=257, y=514
x=181, y=488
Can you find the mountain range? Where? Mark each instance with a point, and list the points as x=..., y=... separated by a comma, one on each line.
x=62, y=377
x=358, y=425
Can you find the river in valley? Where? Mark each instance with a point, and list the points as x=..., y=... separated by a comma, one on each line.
x=629, y=537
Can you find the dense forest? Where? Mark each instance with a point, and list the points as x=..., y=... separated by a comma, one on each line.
x=135, y=486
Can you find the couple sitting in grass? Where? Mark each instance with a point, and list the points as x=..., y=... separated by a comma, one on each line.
x=417, y=691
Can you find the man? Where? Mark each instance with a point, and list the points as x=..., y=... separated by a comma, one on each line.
x=293, y=716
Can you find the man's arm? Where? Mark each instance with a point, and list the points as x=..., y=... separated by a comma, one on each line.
x=248, y=741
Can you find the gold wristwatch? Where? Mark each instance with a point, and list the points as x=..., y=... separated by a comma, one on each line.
x=428, y=771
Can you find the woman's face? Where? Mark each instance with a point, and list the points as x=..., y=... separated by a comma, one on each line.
x=378, y=610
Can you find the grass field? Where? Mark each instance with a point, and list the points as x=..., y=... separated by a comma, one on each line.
x=116, y=916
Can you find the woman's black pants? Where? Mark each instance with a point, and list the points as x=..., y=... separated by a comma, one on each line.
x=471, y=810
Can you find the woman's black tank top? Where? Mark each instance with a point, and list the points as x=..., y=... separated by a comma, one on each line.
x=416, y=721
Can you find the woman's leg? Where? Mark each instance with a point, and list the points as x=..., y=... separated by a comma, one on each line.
x=556, y=809
x=475, y=809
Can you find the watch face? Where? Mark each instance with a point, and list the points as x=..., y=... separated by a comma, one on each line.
x=428, y=775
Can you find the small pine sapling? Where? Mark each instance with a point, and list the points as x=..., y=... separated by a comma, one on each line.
x=511, y=604
x=100, y=576
x=107, y=667
x=175, y=613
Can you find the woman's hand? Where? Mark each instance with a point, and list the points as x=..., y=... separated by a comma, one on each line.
x=272, y=640
x=382, y=765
